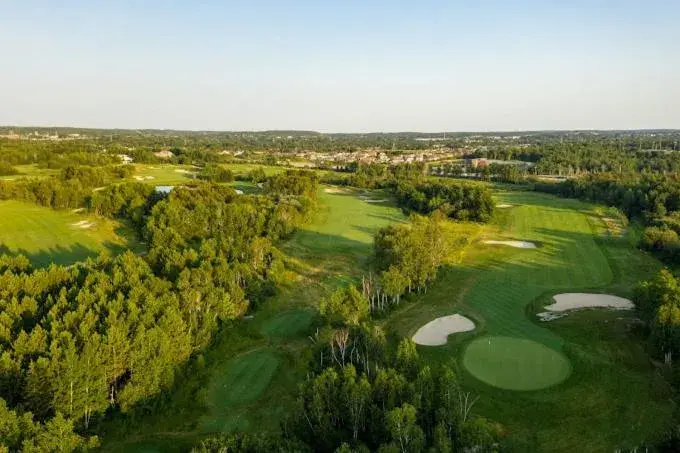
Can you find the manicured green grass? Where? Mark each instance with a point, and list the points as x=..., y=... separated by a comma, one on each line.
x=504, y=361
x=241, y=381
x=164, y=174
x=47, y=236
x=339, y=242
x=614, y=397
x=30, y=171
x=288, y=324
x=170, y=174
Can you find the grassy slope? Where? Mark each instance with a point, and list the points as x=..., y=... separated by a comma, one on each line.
x=265, y=357
x=614, y=396
x=47, y=236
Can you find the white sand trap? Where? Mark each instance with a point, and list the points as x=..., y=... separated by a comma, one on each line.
x=435, y=333
x=550, y=316
x=83, y=224
x=575, y=301
x=504, y=205
x=516, y=244
x=78, y=210
x=334, y=190
x=239, y=191
x=139, y=178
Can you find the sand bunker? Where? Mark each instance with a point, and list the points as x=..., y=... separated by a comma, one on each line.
x=435, y=333
x=575, y=301
x=334, y=190
x=374, y=200
x=78, y=210
x=238, y=191
x=83, y=224
x=516, y=244
x=550, y=316
x=504, y=205
x=181, y=170
x=144, y=178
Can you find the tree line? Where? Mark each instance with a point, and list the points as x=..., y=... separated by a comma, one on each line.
x=466, y=202
x=71, y=188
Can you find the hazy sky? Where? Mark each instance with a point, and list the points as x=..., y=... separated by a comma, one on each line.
x=341, y=65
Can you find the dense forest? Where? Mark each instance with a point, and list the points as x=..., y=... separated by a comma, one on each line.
x=81, y=342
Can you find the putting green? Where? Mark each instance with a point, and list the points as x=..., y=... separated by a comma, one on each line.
x=515, y=363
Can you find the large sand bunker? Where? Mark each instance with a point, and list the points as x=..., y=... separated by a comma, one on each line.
x=335, y=190
x=504, y=205
x=516, y=244
x=435, y=333
x=575, y=301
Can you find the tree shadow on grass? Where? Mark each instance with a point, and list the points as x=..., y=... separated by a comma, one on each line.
x=63, y=255
x=306, y=244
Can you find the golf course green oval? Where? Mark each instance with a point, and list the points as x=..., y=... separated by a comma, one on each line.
x=515, y=363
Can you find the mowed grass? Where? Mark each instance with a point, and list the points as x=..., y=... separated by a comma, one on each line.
x=339, y=243
x=241, y=381
x=288, y=324
x=614, y=396
x=47, y=236
x=30, y=171
x=172, y=174
x=515, y=363
x=164, y=174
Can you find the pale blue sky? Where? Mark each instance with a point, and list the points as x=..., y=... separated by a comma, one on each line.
x=341, y=66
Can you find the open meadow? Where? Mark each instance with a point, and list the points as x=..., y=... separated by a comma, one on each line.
x=579, y=383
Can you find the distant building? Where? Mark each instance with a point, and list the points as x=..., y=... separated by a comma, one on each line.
x=164, y=154
x=474, y=163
